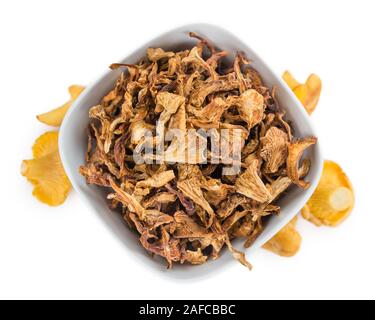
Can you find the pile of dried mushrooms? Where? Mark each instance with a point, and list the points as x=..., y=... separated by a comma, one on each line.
x=189, y=211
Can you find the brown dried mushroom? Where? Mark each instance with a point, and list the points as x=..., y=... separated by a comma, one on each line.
x=187, y=203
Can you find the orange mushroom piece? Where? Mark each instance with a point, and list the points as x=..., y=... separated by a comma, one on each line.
x=308, y=93
x=333, y=200
x=45, y=171
x=286, y=242
x=56, y=116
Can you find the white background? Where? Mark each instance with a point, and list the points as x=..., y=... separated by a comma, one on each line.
x=67, y=252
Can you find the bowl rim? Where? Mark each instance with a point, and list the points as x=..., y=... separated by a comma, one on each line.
x=72, y=172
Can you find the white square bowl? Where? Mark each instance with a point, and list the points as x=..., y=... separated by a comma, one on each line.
x=73, y=144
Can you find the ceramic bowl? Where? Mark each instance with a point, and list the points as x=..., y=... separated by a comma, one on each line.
x=73, y=144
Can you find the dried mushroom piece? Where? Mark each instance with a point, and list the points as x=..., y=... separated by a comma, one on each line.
x=191, y=188
x=45, y=171
x=221, y=152
x=286, y=242
x=157, y=180
x=308, y=93
x=295, y=152
x=155, y=54
x=128, y=200
x=56, y=116
x=210, y=115
x=251, y=185
x=187, y=227
x=250, y=106
x=194, y=257
x=159, y=199
x=333, y=200
x=290, y=80
x=274, y=149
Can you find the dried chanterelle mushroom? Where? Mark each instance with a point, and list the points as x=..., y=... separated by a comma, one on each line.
x=184, y=208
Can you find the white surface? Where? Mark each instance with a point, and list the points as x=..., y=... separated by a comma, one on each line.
x=73, y=148
x=67, y=252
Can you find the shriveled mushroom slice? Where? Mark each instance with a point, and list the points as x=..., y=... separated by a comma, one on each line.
x=229, y=205
x=178, y=135
x=168, y=103
x=186, y=227
x=278, y=186
x=167, y=247
x=229, y=222
x=98, y=112
x=213, y=61
x=282, y=183
x=155, y=54
x=238, y=62
x=194, y=257
x=159, y=199
x=171, y=248
x=216, y=242
x=254, y=233
x=189, y=82
x=280, y=119
x=295, y=152
x=128, y=200
x=186, y=203
x=178, y=120
x=264, y=211
x=215, y=190
x=250, y=107
x=203, y=42
x=94, y=176
x=155, y=219
x=157, y=180
x=209, y=116
x=187, y=171
x=230, y=141
x=119, y=153
x=274, y=149
x=251, y=185
x=238, y=255
x=173, y=65
x=200, y=95
x=195, y=59
x=243, y=228
x=220, y=233
x=192, y=189
x=254, y=78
